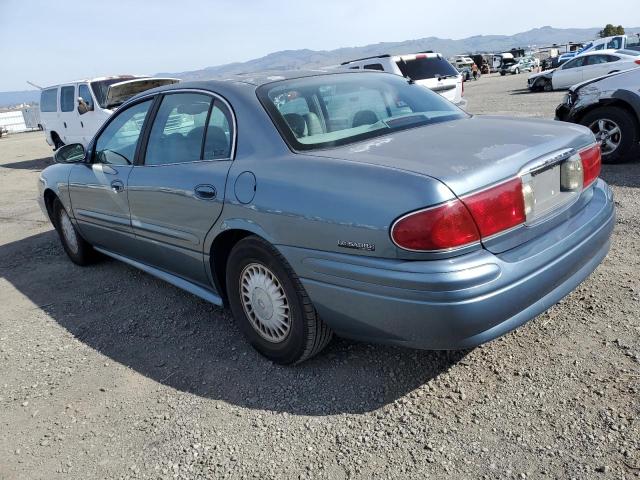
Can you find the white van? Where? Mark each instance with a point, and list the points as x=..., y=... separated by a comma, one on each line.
x=428, y=69
x=73, y=112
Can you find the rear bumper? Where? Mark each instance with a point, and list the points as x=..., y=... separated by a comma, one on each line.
x=460, y=302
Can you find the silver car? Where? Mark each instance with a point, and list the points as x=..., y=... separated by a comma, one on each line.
x=356, y=202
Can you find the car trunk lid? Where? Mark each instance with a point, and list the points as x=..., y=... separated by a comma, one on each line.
x=472, y=154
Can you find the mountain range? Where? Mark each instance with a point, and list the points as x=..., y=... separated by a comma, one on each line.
x=312, y=59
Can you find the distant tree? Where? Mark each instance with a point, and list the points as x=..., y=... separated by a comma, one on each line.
x=610, y=30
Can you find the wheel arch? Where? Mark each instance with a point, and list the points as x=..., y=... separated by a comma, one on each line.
x=49, y=199
x=221, y=247
x=611, y=102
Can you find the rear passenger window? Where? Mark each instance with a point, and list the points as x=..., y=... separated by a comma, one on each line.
x=374, y=66
x=219, y=138
x=67, y=98
x=178, y=129
x=48, y=100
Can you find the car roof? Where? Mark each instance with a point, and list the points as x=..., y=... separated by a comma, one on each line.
x=253, y=80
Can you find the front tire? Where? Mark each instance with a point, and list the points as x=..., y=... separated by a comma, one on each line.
x=270, y=304
x=548, y=86
x=617, y=132
x=77, y=248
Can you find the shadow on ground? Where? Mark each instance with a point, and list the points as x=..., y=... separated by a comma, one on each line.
x=622, y=174
x=188, y=344
x=35, y=164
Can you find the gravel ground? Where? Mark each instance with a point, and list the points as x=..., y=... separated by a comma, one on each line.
x=106, y=372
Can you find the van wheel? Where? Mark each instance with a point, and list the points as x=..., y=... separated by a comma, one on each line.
x=77, y=248
x=616, y=131
x=270, y=304
x=57, y=143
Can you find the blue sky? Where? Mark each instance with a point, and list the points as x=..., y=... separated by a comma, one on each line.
x=50, y=41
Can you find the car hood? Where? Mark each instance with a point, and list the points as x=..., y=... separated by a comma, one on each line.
x=542, y=74
x=467, y=154
x=119, y=92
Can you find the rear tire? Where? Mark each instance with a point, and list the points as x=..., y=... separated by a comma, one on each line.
x=57, y=143
x=77, y=248
x=270, y=304
x=614, y=126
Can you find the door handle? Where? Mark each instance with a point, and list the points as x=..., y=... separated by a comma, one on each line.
x=117, y=186
x=205, y=192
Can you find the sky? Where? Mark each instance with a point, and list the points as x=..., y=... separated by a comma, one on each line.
x=49, y=42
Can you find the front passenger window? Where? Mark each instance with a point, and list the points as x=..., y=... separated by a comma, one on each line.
x=116, y=145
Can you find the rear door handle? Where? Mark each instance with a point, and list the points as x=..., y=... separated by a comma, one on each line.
x=117, y=186
x=205, y=192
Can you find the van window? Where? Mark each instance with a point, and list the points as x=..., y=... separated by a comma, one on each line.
x=374, y=66
x=426, y=67
x=48, y=100
x=85, y=94
x=67, y=97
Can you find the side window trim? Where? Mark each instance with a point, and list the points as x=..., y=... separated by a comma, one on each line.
x=151, y=116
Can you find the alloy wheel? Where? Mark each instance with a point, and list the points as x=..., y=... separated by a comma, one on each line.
x=608, y=133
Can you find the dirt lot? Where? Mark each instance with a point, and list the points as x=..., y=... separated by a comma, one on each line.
x=106, y=372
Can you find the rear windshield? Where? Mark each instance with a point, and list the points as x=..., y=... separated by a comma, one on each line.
x=426, y=67
x=100, y=88
x=331, y=110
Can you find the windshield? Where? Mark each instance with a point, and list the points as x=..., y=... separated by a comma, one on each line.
x=101, y=87
x=331, y=110
x=423, y=68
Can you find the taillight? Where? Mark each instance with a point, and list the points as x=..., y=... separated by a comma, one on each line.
x=591, y=163
x=498, y=208
x=444, y=227
x=637, y=62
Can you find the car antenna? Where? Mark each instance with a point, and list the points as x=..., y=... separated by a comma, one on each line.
x=34, y=85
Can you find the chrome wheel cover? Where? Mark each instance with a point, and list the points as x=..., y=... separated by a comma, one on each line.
x=608, y=133
x=265, y=302
x=68, y=232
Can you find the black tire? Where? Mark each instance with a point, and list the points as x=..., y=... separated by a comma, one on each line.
x=82, y=253
x=629, y=132
x=517, y=71
x=548, y=86
x=57, y=143
x=306, y=333
x=503, y=73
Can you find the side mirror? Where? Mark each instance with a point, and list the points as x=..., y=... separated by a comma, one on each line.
x=72, y=153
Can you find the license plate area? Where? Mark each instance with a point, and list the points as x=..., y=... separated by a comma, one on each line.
x=547, y=193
